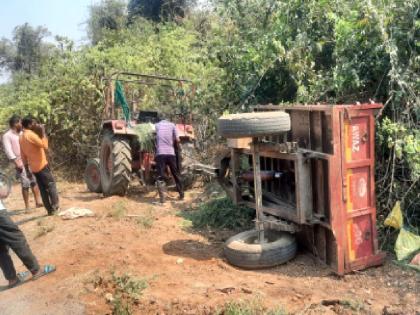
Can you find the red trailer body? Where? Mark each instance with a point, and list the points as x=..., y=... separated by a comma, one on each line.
x=332, y=199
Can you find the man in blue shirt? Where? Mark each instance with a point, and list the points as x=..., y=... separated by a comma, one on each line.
x=166, y=139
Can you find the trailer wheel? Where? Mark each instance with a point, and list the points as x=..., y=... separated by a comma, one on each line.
x=93, y=176
x=243, y=249
x=115, y=165
x=253, y=124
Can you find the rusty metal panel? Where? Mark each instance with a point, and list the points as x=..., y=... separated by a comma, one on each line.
x=304, y=195
x=300, y=128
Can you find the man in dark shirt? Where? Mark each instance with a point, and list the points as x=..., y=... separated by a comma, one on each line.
x=12, y=237
x=166, y=139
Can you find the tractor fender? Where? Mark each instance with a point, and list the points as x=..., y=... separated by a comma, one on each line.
x=118, y=127
x=185, y=131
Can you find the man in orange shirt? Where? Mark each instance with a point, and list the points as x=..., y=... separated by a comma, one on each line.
x=33, y=149
x=12, y=148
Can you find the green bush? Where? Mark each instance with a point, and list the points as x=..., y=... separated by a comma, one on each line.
x=220, y=213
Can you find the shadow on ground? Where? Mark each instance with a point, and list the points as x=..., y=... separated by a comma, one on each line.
x=192, y=249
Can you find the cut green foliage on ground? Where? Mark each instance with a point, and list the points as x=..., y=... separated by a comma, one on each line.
x=145, y=221
x=43, y=228
x=220, y=213
x=122, y=291
x=252, y=307
x=118, y=211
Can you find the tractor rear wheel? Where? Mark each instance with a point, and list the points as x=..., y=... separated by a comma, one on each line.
x=115, y=165
x=93, y=176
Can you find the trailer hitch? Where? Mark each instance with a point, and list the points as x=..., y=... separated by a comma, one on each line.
x=204, y=169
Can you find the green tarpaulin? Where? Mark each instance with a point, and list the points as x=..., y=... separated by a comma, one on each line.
x=121, y=101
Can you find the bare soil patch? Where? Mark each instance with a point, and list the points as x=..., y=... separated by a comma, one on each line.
x=184, y=270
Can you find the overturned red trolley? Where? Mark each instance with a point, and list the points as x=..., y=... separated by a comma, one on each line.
x=317, y=180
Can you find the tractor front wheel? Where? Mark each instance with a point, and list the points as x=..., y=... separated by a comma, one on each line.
x=93, y=176
x=115, y=165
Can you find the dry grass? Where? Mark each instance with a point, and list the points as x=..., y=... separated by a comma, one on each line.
x=43, y=228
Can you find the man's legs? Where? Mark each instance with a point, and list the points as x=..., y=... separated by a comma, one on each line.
x=43, y=189
x=52, y=188
x=160, y=183
x=171, y=161
x=12, y=236
x=27, y=183
x=160, y=166
x=48, y=185
x=6, y=263
x=25, y=195
x=37, y=196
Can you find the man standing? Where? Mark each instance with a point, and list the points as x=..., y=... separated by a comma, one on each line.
x=166, y=139
x=11, y=236
x=12, y=149
x=33, y=149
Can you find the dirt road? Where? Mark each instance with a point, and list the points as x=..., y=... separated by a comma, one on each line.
x=185, y=271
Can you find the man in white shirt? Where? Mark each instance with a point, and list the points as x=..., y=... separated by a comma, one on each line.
x=12, y=149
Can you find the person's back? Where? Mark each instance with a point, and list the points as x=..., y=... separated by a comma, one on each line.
x=33, y=150
x=165, y=138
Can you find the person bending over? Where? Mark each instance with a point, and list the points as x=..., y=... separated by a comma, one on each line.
x=166, y=139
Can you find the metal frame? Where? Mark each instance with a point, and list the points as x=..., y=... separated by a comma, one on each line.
x=150, y=80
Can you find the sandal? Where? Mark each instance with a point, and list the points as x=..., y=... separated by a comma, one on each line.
x=44, y=271
x=21, y=278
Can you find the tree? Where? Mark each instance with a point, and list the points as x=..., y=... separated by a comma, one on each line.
x=104, y=16
x=25, y=51
x=158, y=10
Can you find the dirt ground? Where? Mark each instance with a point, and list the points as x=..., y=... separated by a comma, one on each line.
x=185, y=270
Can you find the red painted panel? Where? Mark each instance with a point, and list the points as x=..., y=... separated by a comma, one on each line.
x=358, y=194
x=361, y=244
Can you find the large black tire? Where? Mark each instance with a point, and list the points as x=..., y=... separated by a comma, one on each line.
x=243, y=249
x=115, y=165
x=253, y=124
x=93, y=176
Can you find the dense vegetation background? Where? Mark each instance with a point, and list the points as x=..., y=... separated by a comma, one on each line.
x=238, y=53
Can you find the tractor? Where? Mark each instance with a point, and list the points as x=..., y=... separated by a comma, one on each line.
x=127, y=145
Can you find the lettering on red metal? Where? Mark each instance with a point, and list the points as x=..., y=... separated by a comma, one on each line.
x=362, y=187
x=355, y=134
x=358, y=235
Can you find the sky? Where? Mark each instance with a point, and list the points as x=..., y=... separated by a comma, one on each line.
x=61, y=17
